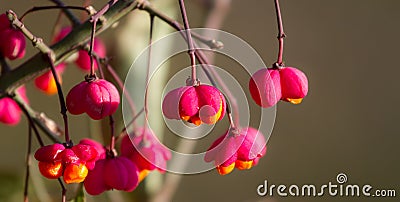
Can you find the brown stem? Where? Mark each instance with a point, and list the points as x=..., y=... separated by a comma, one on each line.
x=57, y=25
x=191, y=50
x=75, y=21
x=60, y=98
x=210, y=72
x=92, y=72
x=211, y=43
x=112, y=127
x=4, y=65
x=45, y=124
x=63, y=190
x=281, y=34
x=40, y=8
x=28, y=163
x=31, y=123
x=132, y=121
x=146, y=104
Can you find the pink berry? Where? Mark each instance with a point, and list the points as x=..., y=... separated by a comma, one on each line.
x=145, y=150
x=83, y=60
x=265, y=87
x=268, y=86
x=94, y=182
x=49, y=153
x=63, y=32
x=46, y=81
x=12, y=41
x=195, y=104
x=294, y=84
x=112, y=173
x=240, y=148
x=10, y=113
x=4, y=22
x=98, y=98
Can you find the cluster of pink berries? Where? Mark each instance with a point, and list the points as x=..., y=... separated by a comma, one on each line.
x=238, y=147
x=102, y=170
x=72, y=163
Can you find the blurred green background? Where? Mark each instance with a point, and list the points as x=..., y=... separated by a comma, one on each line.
x=347, y=123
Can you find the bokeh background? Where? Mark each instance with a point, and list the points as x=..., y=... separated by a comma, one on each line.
x=348, y=122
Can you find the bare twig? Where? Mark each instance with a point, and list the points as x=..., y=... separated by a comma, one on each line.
x=60, y=98
x=75, y=21
x=40, y=8
x=47, y=125
x=28, y=163
x=212, y=43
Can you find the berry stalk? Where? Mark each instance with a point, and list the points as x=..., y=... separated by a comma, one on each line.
x=28, y=163
x=281, y=34
x=146, y=107
x=60, y=98
x=191, y=51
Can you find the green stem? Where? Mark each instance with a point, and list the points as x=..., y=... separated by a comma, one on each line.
x=36, y=65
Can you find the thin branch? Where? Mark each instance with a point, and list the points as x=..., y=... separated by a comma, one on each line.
x=92, y=71
x=122, y=88
x=281, y=35
x=75, y=21
x=112, y=128
x=211, y=43
x=40, y=8
x=47, y=125
x=63, y=190
x=61, y=99
x=123, y=131
x=146, y=95
x=31, y=123
x=4, y=65
x=193, y=81
x=28, y=163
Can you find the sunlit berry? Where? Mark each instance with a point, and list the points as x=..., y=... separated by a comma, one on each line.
x=72, y=163
x=195, y=104
x=237, y=148
x=75, y=173
x=46, y=81
x=51, y=170
x=98, y=98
